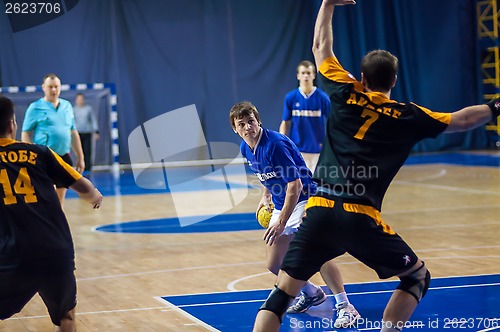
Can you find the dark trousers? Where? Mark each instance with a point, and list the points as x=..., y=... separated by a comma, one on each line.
x=86, y=139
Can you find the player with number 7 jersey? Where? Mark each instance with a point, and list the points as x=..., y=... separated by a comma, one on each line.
x=369, y=137
x=355, y=162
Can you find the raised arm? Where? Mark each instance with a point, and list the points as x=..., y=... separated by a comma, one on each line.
x=323, y=32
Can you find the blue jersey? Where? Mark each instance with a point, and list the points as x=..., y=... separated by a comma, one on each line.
x=308, y=116
x=276, y=161
x=51, y=127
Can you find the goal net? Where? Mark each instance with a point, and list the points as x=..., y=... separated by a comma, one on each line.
x=102, y=99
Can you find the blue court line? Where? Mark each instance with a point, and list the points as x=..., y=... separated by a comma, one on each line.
x=218, y=223
x=124, y=184
x=470, y=303
x=462, y=159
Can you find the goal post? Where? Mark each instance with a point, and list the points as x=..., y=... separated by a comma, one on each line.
x=102, y=98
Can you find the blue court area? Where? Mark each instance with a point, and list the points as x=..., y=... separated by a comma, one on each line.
x=123, y=183
x=469, y=303
x=219, y=223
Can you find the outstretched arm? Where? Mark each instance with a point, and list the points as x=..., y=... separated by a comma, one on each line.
x=323, y=32
x=473, y=116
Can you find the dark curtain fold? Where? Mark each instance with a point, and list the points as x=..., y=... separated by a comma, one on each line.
x=163, y=55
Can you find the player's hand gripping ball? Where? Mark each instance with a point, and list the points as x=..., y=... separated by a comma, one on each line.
x=264, y=216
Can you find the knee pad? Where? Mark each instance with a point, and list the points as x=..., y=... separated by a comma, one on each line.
x=277, y=302
x=416, y=283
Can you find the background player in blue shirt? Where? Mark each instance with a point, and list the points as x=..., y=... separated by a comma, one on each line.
x=277, y=163
x=368, y=131
x=305, y=111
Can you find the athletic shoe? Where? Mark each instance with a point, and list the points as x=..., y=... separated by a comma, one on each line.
x=305, y=302
x=347, y=315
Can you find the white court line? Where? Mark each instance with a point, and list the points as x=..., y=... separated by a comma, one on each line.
x=230, y=286
x=451, y=208
x=93, y=312
x=448, y=188
x=466, y=225
x=442, y=172
x=491, y=328
x=458, y=249
x=261, y=262
x=124, y=275
x=136, y=274
x=353, y=293
x=187, y=315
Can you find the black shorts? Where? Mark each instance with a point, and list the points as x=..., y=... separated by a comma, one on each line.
x=66, y=157
x=334, y=227
x=56, y=288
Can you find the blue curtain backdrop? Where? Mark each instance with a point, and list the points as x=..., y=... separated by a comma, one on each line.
x=163, y=55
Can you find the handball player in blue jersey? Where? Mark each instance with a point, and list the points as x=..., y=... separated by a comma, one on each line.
x=288, y=183
x=305, y=111
x=369, y=131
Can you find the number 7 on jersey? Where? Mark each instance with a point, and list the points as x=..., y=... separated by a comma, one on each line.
x=371, y=118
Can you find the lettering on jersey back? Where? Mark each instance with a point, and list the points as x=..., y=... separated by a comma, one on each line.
x=361, y=100
x=20, y=156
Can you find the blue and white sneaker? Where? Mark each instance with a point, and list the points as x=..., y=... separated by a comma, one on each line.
x=347, y=315
x=305, y=302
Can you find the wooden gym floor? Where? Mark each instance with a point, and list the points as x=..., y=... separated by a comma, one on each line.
x=446, y=206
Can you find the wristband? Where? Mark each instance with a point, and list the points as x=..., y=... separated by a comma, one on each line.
x=494, y=106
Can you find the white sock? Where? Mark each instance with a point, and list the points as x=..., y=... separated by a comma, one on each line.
x=310, y=289
x=341, y=297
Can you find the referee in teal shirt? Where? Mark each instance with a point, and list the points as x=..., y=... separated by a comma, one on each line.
x=50, y=121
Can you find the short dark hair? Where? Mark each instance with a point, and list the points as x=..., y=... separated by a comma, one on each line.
x=379, y=68
x=6, y=114
x=307, y=64
x=241, y=109
x=49, y=75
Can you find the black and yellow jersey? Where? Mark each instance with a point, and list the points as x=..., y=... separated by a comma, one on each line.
x=369, y=136
x=33, y=227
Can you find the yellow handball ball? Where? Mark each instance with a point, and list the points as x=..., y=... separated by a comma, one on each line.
x=264, y=216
